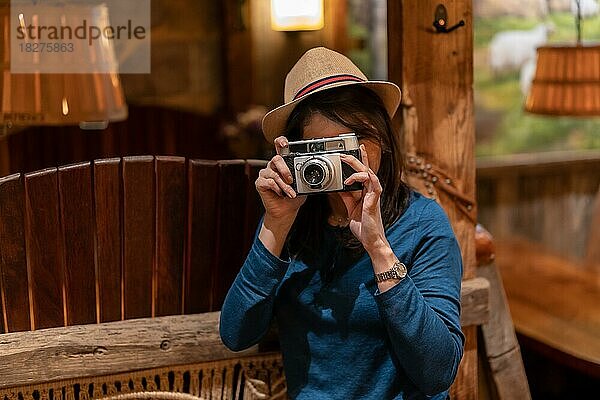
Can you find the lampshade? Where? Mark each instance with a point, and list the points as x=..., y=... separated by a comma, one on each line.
x=567, y=81
x=88, y=99
x=294, y=15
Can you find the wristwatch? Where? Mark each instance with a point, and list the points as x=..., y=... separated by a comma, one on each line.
x=397, y=271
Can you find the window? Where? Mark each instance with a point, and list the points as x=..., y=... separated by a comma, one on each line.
x=505, y=39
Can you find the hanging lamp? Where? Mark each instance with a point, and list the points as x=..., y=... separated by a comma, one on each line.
x=89, y=100
x=567, y=79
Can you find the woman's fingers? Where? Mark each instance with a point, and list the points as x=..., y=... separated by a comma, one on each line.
x=353, y=162
x=278, y=165
x=280, y=143
x=364, y=174
x=368, y=179
x=377, y=188
x=276, y=177
x=270, y=174
x=266, y=184
x=361, y=177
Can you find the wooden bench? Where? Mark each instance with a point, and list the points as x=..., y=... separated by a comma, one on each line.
x=100, y=260
x=555, y=301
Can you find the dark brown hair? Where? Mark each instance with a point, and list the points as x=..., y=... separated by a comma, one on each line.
x=362, y=112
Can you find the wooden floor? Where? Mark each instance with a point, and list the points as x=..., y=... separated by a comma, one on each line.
x=554, y=302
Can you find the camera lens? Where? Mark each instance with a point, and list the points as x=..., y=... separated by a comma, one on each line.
x=314, y=174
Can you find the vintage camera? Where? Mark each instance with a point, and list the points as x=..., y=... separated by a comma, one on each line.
x=316, y=165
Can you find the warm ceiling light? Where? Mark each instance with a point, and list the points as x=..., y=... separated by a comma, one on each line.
x=567, y=79
x=89, y=100
x=294, y=15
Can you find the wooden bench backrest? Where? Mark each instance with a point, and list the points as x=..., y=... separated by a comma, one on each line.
x=122, y=238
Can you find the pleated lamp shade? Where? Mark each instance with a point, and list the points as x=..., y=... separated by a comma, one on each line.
x=90, y=100
x=567, y=81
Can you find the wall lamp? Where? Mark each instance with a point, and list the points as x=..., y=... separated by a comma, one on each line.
x=294, y=15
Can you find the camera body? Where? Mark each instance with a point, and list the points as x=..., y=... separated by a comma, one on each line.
x=316, y=165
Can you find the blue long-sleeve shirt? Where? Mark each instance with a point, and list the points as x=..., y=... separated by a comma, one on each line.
x=340, y=337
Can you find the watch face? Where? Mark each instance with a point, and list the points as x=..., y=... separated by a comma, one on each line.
x=400, y=270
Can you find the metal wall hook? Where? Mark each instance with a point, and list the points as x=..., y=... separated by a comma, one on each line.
x=440, y=22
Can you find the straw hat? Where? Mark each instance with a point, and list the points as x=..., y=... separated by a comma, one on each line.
x=317, y=70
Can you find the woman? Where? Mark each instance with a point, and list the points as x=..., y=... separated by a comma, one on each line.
x=332, y=268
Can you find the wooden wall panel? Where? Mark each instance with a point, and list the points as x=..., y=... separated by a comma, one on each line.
x=230, y=238
x=203, y=183
x=138, y=236
x=171, y=194
x=13, y=262
x=435, y=72
x=44, y=248
x=147, y=130
x=77, y=220
x=274, y=53
x=108, y=208
x=237, y=54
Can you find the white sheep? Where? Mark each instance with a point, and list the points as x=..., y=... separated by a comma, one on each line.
x=589, y=8
x=509, y=50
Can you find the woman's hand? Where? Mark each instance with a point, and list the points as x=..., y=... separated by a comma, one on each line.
x=273, y=186
x=365, y=216
x=279, y=199
x=365, y=213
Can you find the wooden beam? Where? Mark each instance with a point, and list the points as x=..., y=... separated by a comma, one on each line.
x=435, y=73
x=98, y=349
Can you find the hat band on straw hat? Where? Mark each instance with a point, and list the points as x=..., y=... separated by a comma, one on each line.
x=311, y=87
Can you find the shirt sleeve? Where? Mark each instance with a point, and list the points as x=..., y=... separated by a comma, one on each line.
x=422, y=312
x=248, y=308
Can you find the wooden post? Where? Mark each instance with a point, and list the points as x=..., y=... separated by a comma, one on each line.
x=435, y=72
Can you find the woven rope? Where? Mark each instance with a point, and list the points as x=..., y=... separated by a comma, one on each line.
x=254, y=377
x=429, y=179
x=153, y=395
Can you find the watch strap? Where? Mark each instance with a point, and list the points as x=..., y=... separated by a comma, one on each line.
x=397, y=271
